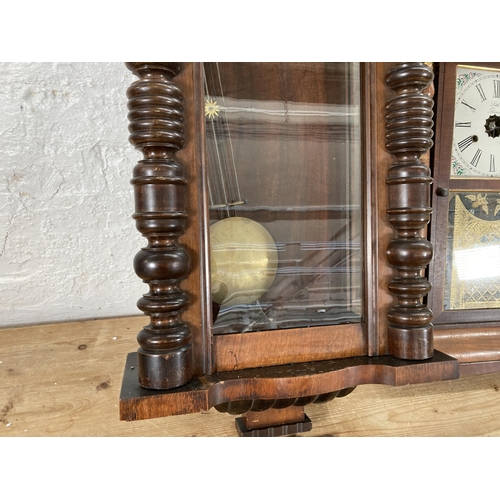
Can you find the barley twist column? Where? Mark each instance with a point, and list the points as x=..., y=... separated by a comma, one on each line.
x=408, y=136
x=156, y=128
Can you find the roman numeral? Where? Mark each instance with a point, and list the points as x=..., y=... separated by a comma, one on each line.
x=464, y=144
x=496, y=89
x=468, y=105
x=462, y=124
x=476, y=158
x=492, y=163
x=481, y=92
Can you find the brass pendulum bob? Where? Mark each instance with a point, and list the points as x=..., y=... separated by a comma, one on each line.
x=244, y=261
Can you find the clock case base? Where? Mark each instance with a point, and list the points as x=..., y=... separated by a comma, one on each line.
x=300, y=383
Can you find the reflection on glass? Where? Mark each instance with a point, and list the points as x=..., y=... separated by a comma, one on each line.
x=473, y=251
x=284, y=170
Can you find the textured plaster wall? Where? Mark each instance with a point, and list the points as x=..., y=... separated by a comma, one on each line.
x=67, y=240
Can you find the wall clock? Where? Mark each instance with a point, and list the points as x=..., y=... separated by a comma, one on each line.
x=465, y=231
x=284, y=222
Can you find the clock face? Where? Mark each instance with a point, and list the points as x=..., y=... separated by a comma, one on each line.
x=476, y=134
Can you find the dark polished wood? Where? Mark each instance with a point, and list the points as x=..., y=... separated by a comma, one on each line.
x=473, y=343
x=276, y=417
x=279, y=347
x=286, y=429
x=278, y=382
x=157, y=129
x=409, y=135
x=467, y=369
x=273, y=422
x=195, y=239
x=273, y=417
x=266, y=405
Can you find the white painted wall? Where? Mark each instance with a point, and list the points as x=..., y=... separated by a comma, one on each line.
x=67, y=239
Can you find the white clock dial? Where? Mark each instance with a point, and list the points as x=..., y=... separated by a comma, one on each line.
x=476, y=134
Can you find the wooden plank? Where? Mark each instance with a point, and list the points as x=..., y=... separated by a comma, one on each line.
x=50, y=387
x=469, y=344
x=237, y=351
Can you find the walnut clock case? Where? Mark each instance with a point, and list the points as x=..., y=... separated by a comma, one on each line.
x=465, y=230
x=284, y=207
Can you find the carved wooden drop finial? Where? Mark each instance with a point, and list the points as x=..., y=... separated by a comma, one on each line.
x=409, y=136
x=156, y=128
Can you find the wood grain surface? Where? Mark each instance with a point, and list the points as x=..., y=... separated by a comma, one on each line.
x=65, y=379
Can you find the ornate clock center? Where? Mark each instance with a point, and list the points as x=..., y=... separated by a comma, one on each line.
x=492, y=126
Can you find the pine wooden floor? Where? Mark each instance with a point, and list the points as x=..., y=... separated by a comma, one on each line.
x=65, y=380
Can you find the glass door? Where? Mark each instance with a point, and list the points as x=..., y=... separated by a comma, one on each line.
x=283, y=148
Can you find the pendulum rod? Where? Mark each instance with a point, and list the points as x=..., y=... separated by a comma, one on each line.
x=221, y=184
x=229, y=137
x=224, y=188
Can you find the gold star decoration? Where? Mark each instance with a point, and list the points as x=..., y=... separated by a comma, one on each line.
x=211, y=109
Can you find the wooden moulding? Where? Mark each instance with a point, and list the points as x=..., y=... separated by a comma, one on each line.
x=476, y=348
x=276, y=382
x=157, y=129
x=239, y=351
x=273, y=423
x=409, y=136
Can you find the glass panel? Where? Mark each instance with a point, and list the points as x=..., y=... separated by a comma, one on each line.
x=284, y=167
x=473, y=251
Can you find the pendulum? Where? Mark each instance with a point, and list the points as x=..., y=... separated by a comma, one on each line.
x=244, y=261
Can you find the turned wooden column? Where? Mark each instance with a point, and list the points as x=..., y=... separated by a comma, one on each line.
x=408, y=137
x=156, y=128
